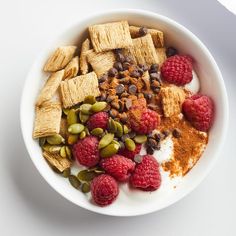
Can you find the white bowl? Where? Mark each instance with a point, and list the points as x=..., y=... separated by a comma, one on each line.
x=211, y=84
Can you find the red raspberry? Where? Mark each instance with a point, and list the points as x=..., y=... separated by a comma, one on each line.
x=118, y=166
x=98, y=120
x=146, y=175
x=199, y=110
x=143, y=121
x=177, y=70
x=130, y=154
x=86, y=151
x=104, y=189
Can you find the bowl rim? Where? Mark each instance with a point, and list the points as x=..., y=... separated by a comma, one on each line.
x=225, y=108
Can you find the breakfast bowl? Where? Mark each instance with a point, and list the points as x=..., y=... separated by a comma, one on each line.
x=132, y=202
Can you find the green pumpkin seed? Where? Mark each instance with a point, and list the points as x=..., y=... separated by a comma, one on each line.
x=125, y=129
x=51, y=148
x=83, y=117
x=55, y=170
x=119, y=131
x=42, y=141
x=96, y=170
x=63, y=152
x=115, y=141
x=55, y=139
x=109, y=150
x=106, y=139
x=71, y=117
x=140, y=139
x=66, y=111
x=85, y=108
x=74, y=181
x=90, y=99
x=85, y=188
x=112, y=126
x=130, y=144
x=72, y=138
x=66, y=172
x=68, y=152
x=75, y=128
x=85, y=175
x=98, y=106
x=97, y=131
x=82, y=135
x=86, y=131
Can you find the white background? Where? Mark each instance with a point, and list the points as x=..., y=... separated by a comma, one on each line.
x=28, y=206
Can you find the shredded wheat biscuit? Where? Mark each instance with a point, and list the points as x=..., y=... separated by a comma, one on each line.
x=72, y=69
x=110, y=36
x=84, y=66
x=75, y=90
x=50, y=87
x=161, y=53
x=64, y=128
x=172, y=98
x=157, y=35
x=143, y=51
x=101, y=62
x=60, y=58
x=47, y=119
x=56, y=160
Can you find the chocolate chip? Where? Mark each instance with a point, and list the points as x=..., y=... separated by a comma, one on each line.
x=132, y=89
x=149, y=150
x=176, y=133
x=103, y=78
x=120, y=57
x=110, y=98
x=165, y=133
x=124, y=80
x=126, y=65
x=157, y=137
x=156, y=90
x=113, y=113
x=120, y=88
x=115, y=104
x=123, y=117
x=103, y=96
x=135, y=74
x=124, y=137
x=143, y=31
x=128, y=59
x=121, y=106
x=132, y=134
x=122, y=145
x=152, y=106
x=118, y=50
x=170, y=51
x=153, y=68
x=118, y=66
x=112, y=72
x=148, y=96
x=155, y=84
x=128, y=103
x=152, y=143
x=154, y=76
x=143, y=67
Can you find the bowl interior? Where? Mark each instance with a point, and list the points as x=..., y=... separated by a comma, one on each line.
x=211, y=84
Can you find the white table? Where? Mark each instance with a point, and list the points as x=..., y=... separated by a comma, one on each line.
x=28, y=205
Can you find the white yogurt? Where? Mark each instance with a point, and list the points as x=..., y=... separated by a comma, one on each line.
x=194, y=85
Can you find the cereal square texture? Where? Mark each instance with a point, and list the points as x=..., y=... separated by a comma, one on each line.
x=143, y=51
x=110, y=36
x=101, y=62
x=84, y=66
x=75, y=90
x=47, y=120
x=172, y=98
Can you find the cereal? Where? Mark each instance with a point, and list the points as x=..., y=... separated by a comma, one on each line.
x=84, y=66
x=72, y=69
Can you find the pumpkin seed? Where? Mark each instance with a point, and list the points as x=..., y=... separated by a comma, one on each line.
x=68, y=153
x=63, y=152
x=74, y=181
x=119, y=131
x=51, y=148
x=97, y=131
x=90, y=99
x=85, y=108
x=106, y=139
x=55, y=170
x=83, y=117
x=140, y=139
x=138, y=158
x=130, y=144
x=85, y=188
x=75, y=128
x=86, y=131
x=71, y=117
x=55, y=139
x=115, y=141
x=42, y=141
x=112, y=126
x=125, y=129
x=66, y=111
x=72, y=138
x=97, y=170
x=109, y=150
x=66, y=172
x=85, y=175
x=98, y=106
x=82, y=135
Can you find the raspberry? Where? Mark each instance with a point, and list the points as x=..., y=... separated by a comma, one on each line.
x=199, y=110
x=86, y=151
x=177, y=70
x=118, y=166
x=143, y=121
x=146, y=175
x=104, y=189
x=98, y=120
x=130, y=154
